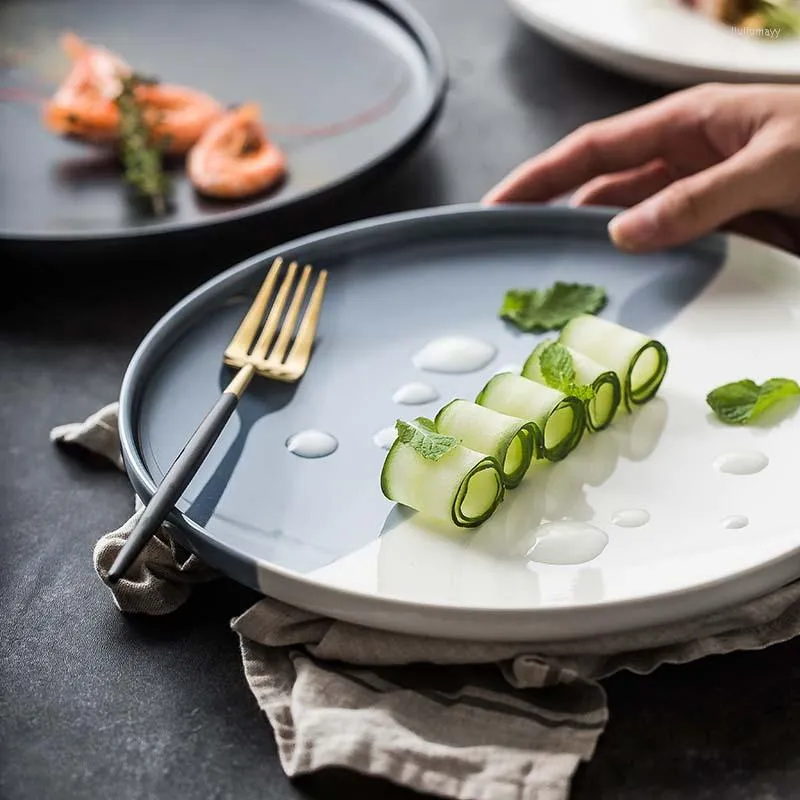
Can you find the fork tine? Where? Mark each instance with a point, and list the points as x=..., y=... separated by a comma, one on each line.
x=243, y=338
x=273, y=320
x=301, y=350
x=289, y=321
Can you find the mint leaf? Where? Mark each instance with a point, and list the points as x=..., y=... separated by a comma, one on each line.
x=779, y=17
x=582, y=392
x=551, y=309
x=744, y=401
x=422, y=436
x=557, y=368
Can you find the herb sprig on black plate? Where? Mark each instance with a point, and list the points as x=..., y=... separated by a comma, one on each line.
x=141, y=156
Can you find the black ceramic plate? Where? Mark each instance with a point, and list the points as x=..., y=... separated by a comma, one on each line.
x=318, y=533
x=345, y=86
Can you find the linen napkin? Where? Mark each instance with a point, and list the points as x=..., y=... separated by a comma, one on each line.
x=457, y=719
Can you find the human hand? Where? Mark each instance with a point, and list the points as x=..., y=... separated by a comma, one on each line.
x=714, y=156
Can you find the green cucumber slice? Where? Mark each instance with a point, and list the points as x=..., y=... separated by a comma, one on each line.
x=603, y=407
x=639, y=361
x=462, y=486
x=509, y=440
x=560, y=418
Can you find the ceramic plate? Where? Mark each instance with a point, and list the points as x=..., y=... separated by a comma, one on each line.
x=318, y=532
x=661, y=41
x=345, y=87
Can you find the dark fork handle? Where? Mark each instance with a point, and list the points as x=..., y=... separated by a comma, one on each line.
x=175, y=481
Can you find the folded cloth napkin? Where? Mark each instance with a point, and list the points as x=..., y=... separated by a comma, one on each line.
x=457, y=719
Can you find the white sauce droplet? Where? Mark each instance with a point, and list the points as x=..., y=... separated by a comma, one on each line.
x=415, y=393
x=567, y=542
x=735, y=522
x=745, y=462
x=385, y=437
x=513, y=368
x=630, y=517
x=454, y=354
x=311, y=444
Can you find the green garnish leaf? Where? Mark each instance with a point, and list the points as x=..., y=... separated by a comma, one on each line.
x=557, y=366
x=140, y=156
x=744, y=401
x=582, y=392
x=780, y=18
x=422, y=436
x=558, y=370
x=552, y=308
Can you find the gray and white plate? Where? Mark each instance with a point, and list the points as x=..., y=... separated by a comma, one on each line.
x=318, y=533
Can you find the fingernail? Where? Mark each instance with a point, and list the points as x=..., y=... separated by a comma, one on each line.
x=632, y=230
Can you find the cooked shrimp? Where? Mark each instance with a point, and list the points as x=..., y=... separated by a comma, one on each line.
x=108, y=68
x=235, y=158
x=83, y=106
x=176, y=115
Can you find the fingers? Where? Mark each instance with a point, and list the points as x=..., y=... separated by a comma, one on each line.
x=693, y=206
x=624, y=188
x=619, y=143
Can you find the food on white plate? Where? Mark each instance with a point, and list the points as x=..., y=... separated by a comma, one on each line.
x=549, y=309
x=746, y=401
x=778, y=18
x=639, y=361
x=458, y=466
x=560, y=367
x=435, y=475
x=560, y=417
x=512, y=441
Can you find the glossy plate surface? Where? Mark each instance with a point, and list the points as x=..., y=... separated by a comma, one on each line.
x=343, y=85
x=319, y=533
x=662, y=41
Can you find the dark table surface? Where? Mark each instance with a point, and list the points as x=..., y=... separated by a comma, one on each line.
x=94, y=704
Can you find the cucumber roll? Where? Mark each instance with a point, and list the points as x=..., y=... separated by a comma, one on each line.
x=510, y=440
x=439, y=477
x=639, y=361
x=560, y=418
x=606, y=391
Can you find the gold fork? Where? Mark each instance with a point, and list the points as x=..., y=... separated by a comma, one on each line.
x=252, y=353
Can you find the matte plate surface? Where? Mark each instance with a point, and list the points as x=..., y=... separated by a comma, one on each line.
x=662, y=41
x=343, y=86
x=319, y=533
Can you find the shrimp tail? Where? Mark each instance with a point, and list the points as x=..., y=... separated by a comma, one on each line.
x=74, y=46
x=248, y=112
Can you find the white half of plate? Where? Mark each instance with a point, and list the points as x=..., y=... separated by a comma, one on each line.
x=661, y=41
x=690, y=556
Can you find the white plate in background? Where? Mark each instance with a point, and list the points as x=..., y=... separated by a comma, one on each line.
x=661, y=41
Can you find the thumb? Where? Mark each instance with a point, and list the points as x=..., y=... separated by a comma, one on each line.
x=696, y=205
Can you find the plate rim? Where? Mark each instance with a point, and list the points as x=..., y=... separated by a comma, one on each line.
x=402, y=14
x=321, y=597
x=649, y=67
